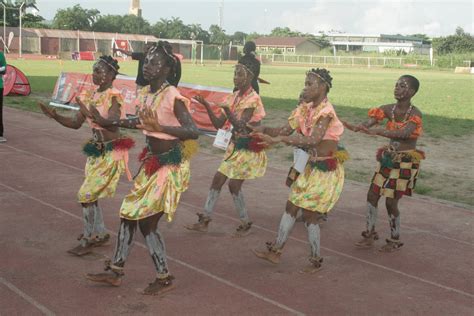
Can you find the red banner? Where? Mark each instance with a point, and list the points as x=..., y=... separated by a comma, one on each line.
x=70, y=85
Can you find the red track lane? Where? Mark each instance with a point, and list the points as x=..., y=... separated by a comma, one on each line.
x=42, y=169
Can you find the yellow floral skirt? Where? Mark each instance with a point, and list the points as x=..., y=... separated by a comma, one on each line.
x=243, y=164
x=157, y=193
x=102, y=176
x=316, y=190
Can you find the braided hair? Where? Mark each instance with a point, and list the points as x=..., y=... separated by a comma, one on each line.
x=323, y=74
x=164, y=48
x=110, y=62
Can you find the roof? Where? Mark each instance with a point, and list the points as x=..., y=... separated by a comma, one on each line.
x=401, y=37
x=281, y=41
x=346, y=35
x=30, y=32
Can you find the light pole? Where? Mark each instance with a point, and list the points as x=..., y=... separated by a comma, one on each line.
x=20, y=13
x=4, y=25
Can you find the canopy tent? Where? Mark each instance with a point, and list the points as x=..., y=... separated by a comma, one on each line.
x=15, y=82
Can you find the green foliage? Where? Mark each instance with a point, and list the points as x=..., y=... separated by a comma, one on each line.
x=172, y=28
x=28, y=19
x=198, y=33
x=129, y=24
x=284, y=32
x=75, y=18
x=239, y=38
x=217, y=35
x=252, y=36
x=461, y=42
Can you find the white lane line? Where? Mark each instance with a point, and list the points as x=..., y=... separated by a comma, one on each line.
x=26, y=297
x=249, y=185
x=189, y=266
x=331, y=250
x=193, y=207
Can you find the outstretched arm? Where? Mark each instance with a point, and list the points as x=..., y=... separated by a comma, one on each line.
x=375, y=116
x=403, y=133
x=285, y=130
x=74, y=122
x=239, y=124
x=296, y=140
x=217, y=122
x=107, y=123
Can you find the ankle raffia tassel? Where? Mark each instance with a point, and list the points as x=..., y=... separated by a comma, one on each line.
x=391, y=245
x=272, y=254
x=314, y=266
x=159, y=286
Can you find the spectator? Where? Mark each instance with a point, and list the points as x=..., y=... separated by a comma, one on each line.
x=3, y=70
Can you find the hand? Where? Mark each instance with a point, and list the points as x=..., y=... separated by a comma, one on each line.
x=149, y=121
x=354, y=128
x=256, y=129
x=83, y=108
x=266, y=140
x=201, y=100
x=373, y=131
x=48, y=111
x=224, y=105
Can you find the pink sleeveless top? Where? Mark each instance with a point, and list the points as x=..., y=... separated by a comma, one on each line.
x=305, y=116
x=249, y=100
x=162, y=102
x=102, y=101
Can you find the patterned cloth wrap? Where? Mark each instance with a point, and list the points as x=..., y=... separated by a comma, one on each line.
x=164, y=177
x=160, y=182
x=319, y=187
x=244, y=158
x=397, y=172
x=106, y=161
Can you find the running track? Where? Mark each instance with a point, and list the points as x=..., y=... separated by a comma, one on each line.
x=41, y=170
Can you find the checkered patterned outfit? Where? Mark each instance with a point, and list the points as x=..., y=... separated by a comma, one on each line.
x=397, y=172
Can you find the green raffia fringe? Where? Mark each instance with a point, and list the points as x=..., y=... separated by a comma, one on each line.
x=242, y=143
x=172, y=157
x=95, y=149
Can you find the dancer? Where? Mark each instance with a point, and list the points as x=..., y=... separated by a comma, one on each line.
x=244, y=158
x=107, y=152
x=399, y=161
x=164, y=173
x=317, y=188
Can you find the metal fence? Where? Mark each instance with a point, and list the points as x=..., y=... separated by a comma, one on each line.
x=356, y=61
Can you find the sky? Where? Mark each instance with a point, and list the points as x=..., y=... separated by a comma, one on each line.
x=431, y=17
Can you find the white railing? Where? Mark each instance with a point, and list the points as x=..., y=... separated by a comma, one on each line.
x=346, y=60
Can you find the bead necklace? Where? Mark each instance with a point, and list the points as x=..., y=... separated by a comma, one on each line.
x=156, y=94
x=407, y=113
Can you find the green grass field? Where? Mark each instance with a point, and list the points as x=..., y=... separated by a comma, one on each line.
x=445, y=98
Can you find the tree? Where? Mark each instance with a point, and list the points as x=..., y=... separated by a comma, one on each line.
x=238, y=38
x=253, y=36
x=196, y=32
x=173, y=28
x=460, y=42
x=218, y=35
x=284, y=32
x=108, y=23
x=28, y=19
x=75, y=18
x=128, y=24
